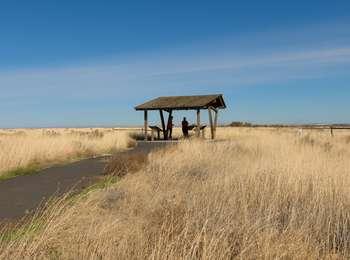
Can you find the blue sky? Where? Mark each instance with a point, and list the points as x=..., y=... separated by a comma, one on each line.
x=88, y=63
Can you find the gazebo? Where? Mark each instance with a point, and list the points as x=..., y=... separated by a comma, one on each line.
x=212, y=103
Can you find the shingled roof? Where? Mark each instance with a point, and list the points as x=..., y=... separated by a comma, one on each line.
x=184, y=102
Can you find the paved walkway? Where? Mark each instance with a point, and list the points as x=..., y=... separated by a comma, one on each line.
x=22, y=194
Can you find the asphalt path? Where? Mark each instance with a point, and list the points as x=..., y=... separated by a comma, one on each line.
x=21, y=195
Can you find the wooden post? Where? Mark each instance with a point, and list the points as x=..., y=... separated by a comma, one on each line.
x=215, y=121
x=167, y=129
x=198, y=122
x=211, y=123
x=146, y=124
x=332, y=134
x=163, y=123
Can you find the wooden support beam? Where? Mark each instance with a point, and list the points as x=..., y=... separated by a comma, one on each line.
x=167, y=128
x=146, y=124
x=215, y=122
x=198, y=122
x=214, y=109
x=211, y=123
x=163, y=123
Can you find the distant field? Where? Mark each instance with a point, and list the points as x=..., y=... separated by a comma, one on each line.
x=254, y=194
x=24, y=150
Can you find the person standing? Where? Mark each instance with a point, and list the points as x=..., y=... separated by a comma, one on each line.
x=185, y=127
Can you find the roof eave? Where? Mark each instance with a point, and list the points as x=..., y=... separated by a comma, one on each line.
x=178, y=108
x=222, y=101
x=219, y=97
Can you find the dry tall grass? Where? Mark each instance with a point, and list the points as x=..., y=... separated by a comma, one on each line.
x=26, y=148
x=263, y=194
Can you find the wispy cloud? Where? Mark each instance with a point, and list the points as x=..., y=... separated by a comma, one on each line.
x=141, y=76
x=192, y=70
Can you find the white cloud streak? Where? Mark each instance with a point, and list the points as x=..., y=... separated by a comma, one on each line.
x=72, y=93
x=135, y=76
x=192, y=70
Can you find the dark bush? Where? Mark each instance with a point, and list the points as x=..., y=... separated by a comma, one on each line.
x=125, y=163
x=139, y=136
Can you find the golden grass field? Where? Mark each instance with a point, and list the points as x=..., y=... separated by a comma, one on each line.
x=253, y=194
x=36, y=148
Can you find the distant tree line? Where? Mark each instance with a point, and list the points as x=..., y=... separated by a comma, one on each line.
x=247, y=124
x=240, y=124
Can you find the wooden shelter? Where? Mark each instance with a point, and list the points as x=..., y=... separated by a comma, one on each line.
x=212, y=103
